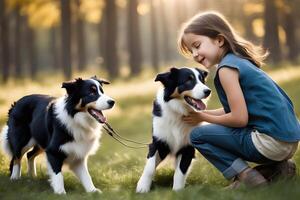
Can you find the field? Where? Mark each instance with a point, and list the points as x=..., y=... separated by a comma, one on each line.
x=116, y=169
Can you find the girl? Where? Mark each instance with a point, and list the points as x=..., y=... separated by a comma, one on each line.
x=257, y=122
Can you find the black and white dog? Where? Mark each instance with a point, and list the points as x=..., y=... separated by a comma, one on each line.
x=68, y=129
x=183, y=90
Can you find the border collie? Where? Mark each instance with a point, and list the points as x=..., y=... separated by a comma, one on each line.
x=66, y=128
x=183, y=90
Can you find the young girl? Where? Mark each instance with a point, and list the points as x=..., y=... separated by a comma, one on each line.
x=257, y=122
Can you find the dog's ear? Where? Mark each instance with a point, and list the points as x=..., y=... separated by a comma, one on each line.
x=101, y=81
x=71, y=85
x=163, y=77
x=168, y=77
x=203, y=73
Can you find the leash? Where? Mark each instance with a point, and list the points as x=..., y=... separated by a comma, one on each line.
x=110, y=131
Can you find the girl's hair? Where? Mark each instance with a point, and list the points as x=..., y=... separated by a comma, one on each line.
x=213, y=24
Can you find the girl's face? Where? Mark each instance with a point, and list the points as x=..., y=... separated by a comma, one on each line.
x=205, y=50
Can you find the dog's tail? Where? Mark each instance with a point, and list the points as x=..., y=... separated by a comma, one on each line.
x=4, y=142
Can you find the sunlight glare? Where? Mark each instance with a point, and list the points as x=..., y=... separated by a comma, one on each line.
x=258, y=27
x=143, y=8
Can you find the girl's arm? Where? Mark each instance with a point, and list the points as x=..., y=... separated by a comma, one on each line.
x=217, y=112
x=238, y=117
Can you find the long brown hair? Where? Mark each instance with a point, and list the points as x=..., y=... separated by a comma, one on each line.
x=213, y=24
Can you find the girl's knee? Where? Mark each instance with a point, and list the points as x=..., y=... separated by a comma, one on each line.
x=195, y=135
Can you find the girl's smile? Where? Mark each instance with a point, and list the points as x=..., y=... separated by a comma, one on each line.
x=205, y=50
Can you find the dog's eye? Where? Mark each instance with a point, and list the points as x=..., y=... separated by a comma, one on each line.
x=93, y=90
x=191, y=78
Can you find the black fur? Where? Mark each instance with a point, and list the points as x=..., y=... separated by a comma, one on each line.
x=183, y=79
x=188, y=153
x=31, y=117
x=160, y=146
x=157, y=111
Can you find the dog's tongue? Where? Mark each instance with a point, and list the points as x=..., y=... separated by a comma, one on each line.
x=200, y=105
x=98, y=115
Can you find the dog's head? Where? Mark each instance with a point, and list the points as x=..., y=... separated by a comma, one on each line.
x=87, y=96
x=186, y=84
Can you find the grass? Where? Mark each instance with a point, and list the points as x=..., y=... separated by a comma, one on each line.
x=116, y=169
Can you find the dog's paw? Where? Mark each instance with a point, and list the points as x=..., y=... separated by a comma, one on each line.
x=60, y=191
x=177, y=188
x=143, y=186
x=97, y=191
x=14, y=178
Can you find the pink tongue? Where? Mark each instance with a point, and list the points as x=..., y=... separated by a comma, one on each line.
x=100, y=117
x=200, y=105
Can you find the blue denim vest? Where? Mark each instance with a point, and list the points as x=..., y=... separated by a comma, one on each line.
x=269, y=108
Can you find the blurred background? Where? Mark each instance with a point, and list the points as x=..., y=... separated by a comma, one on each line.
x=122, y=38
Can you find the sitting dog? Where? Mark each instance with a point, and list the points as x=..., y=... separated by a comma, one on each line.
x=66, y=128
x=183, y=90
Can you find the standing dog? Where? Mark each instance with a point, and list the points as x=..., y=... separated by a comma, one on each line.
x=183, y=90
x=66, y=128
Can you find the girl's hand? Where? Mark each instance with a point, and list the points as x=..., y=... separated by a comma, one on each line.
x=193, y=118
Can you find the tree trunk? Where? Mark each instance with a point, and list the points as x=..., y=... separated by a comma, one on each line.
x=165, y=33
x=248, y=19
x=271, y=38
x=32, y=57
x=54, y=49
x=17, y=44
x=290, y=30
x=111, y=56
x=135, y=51
x=154, y=46
x=181, y=14
x=4, y=42
x=81, y=49
x=102, y=41
x=66, y=37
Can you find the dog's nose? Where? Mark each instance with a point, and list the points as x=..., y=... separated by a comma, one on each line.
x=111, y=103
x=207, y=92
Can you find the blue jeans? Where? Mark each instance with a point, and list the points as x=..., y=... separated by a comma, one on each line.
x=226, y=148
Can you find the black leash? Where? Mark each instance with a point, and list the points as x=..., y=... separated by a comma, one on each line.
x=119, y=138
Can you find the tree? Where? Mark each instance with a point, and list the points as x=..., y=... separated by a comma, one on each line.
x=17, y=44
x=165, y=33
x=271, y=37
x=54, y=48
x=31, y=46
x=181, y=8
x=154, y=46
x=66, y=37
x=4, y=42
x=290, y=29
x=81, y=49
x=135, y=55
x=110, y=53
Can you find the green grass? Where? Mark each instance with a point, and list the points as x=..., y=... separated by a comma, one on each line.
x=116, y=169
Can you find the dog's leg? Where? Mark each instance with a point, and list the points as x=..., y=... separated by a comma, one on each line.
x=31, y=160
x=158, y=151
x=144, y=183
x=54, y=170
x=183, y=161
x=81, y=171
x=15, y=168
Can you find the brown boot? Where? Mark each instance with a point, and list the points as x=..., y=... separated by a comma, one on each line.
x=250, y=178
x=284, y=169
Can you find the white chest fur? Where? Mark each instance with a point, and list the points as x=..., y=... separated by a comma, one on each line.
x=85, y=130
x=80, y=149
x=169, y=127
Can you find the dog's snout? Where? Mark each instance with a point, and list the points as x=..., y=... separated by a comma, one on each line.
x=207, y=92
x=111, y=103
